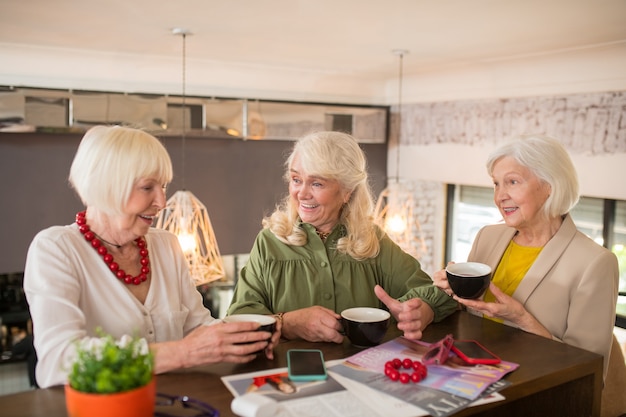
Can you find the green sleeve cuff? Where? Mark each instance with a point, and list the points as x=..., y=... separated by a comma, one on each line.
x=441, y=303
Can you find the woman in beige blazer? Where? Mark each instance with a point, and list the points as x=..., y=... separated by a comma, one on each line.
x=549, y=279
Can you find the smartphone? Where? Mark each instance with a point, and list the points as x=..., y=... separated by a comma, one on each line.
x=306, y=365
x=474, y=353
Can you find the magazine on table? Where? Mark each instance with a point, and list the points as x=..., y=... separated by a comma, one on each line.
x=447, y=389
x=387, y=405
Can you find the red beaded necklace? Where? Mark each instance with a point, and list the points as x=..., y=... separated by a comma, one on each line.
x=96, y=243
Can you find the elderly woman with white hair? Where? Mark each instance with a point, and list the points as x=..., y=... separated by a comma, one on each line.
x=549, y=279
x=111, y=270
x=320, y=252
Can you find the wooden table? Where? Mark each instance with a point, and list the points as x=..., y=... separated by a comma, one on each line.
x=553, y=379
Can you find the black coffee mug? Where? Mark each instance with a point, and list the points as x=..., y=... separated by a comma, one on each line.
x=365, y=326
x=267, y=323
x=468, y=279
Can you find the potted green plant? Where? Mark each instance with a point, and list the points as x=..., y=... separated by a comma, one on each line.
x=111, y=377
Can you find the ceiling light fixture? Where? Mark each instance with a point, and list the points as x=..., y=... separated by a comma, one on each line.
x=186, y=216
x=394, y=207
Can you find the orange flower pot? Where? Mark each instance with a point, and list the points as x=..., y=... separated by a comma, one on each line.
x=138, y=402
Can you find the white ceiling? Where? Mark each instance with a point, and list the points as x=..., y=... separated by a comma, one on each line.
x=338, y=49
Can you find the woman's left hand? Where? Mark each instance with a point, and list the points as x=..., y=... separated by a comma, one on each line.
x=506, y=308
x=412, y=315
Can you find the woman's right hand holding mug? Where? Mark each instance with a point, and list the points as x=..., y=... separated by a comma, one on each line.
x=224, y=342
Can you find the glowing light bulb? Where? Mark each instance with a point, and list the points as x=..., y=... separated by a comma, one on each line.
x=396, y=224
x=187, y=242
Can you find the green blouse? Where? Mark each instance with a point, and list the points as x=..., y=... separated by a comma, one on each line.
x=279, y=277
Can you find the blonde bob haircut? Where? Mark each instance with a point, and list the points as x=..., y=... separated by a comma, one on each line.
x=334, y=156
x=548, y=160
x=109, y=162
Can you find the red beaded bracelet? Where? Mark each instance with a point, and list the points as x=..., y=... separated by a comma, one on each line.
x=392, y=370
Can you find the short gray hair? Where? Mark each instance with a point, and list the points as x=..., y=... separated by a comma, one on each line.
x=548, y=160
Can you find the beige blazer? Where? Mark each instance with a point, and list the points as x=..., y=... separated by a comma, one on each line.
x=571, y=288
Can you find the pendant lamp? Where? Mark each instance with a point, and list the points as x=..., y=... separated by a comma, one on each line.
x=186, y=216
x=394, y=211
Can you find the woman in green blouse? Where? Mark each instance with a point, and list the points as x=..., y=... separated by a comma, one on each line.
x=320, y=251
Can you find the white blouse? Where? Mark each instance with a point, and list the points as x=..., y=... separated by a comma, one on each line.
x=71, y=292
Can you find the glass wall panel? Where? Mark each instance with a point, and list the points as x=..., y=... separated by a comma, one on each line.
x=473, y=208
x=588, y=216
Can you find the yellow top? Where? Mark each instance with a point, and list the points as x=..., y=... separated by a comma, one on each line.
x=512, y=268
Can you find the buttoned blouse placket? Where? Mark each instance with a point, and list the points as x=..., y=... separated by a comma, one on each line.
x=325, y=275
